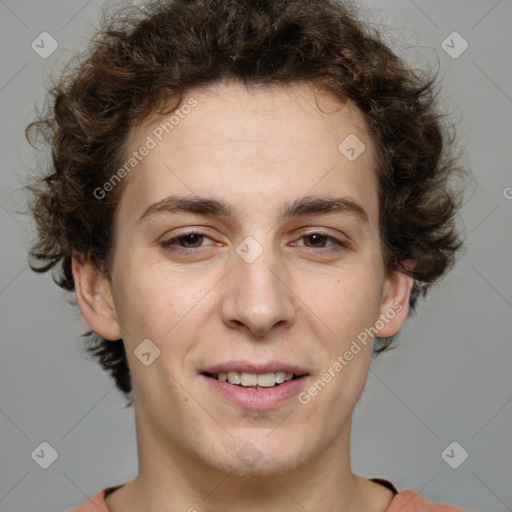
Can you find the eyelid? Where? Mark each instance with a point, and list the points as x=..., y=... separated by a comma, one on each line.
x=326, y=232
x=338, y=243
x=176, y=237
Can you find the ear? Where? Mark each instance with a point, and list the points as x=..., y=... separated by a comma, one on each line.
x=94, y=297
x=394, y=306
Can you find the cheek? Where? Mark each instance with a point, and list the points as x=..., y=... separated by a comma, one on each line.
x=145, y=302
x=350, y=307
x=348, y=302
x=158, y=304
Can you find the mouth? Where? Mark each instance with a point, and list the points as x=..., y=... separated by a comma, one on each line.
x=254, y=380
x=256, y=387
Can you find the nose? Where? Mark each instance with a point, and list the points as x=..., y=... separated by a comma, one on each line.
x=258, y=297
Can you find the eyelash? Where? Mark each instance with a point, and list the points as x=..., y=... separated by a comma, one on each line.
x=168, y=244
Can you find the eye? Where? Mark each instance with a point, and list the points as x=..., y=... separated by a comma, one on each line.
x=318, y=240
x=189, y=243
x=186, y=242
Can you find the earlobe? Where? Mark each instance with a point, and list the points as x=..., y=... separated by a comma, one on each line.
x=395, y=301
x=94, y=298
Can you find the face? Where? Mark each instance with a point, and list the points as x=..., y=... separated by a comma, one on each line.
x=247, y=241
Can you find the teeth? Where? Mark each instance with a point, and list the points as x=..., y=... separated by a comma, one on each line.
x=267, y=380
x=248, y=379
x=233, y=377
x=262, y=380
x=280, y=377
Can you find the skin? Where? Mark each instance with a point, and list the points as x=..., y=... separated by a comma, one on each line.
x=300, y=301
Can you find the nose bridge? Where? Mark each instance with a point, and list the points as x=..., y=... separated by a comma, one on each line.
x=257, y=298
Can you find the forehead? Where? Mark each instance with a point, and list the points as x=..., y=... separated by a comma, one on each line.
x=272, y=143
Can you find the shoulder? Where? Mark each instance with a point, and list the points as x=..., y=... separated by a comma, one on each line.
x=405, y=501
x=411, y=501
x=95, y=504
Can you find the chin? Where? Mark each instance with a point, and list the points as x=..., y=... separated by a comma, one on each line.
x=266, y=467
x=259, y=457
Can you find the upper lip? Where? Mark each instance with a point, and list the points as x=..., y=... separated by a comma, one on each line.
x=245, y=366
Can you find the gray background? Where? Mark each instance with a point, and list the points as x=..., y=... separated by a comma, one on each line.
x=449, y=380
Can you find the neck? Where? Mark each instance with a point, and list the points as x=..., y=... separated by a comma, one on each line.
x=172, y=477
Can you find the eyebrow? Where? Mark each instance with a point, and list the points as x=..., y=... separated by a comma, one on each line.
x=209, y=206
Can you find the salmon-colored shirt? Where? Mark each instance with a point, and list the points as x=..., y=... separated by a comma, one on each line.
x=405, y=501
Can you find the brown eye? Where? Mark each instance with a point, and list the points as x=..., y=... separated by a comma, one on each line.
x=322, y=241
x=185, y=242
x=316, y=239
x=190, y=240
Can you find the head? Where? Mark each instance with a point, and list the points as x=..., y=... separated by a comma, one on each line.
x=244, y=183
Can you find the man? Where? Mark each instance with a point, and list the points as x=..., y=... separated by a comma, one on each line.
x=245, y=196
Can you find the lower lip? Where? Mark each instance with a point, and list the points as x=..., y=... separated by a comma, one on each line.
x=255, y=399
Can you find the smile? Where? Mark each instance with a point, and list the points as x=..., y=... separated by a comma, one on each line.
x=254, y=380
x=253, y=386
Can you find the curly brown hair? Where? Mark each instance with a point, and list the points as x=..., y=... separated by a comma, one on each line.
x=142, y=59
